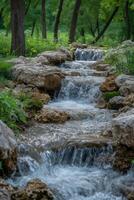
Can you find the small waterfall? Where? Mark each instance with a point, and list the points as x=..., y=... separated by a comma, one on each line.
x=89, y=54
x=80, y=157
x=76, y=173
x=73, y=172
x=82, y=89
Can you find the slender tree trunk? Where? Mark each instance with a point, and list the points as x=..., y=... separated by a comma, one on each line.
x=57, y=20
x=74, y=21
x=82, y=33
x=91, y=30
x=33, y=28
x=17, y=27
x=28, y=6
x=127, y=20
x=43, y=19
x=107, y=24
x=98, y=26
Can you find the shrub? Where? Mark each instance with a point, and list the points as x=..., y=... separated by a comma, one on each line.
x=122, y=58
x=109, y=95
x=30, y=103
x=11, y=110
x=5, y=69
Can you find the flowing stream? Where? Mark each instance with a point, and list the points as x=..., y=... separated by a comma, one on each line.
x=74, y=173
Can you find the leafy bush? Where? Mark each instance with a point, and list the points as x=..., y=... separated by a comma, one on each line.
x=109, y=95
x=30, y=103
x=34, y=45
x=5, y=69
x=122, y=58
x=11, y=110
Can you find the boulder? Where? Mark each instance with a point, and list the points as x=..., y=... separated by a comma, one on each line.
x=44, y=98
x=123, y=129
x=31, y=92
x=100, y=66
x=43, y=77
x=48, y=115
x=35, y=190
x=123, y=134
x=126, y=84
x=54, y=57
x=4, y=195
x=109, y=85
x=8, y=152
x=116, y=102
x=129, y=100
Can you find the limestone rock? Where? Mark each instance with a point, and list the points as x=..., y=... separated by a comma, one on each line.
x=48, y=115
x=116, y=102
x=109, y=85
x=4, y=195
x=8, y=153
x=55, y=57
x=45, y=77
x=123, y=128
x=100, y=66
x=35, y=190
x=123, y=134
x=45, y=98
x=129, y=100
x=126, y=84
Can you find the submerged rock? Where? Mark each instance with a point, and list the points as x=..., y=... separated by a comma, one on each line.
x=48, y=115
x=8, y=152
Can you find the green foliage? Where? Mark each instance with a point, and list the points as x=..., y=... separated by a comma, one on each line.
x=109, y=95
x=5, y=42
x=30, y=103
x=122, y=58
x=5, y=69
x=11, y=110
x=34, y=45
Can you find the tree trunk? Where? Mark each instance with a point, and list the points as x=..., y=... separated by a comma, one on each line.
x=82, y=33
x=98, y=26
x=28, y=6
x=107, y=24
x=127, y=20
x=17, y=27
x=74, y=21
x=43, y=19
x=57, y=20
x=33, y=28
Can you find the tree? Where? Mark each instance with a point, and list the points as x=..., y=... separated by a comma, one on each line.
x=107, y=23
x=17, y=27
x=74, y=21
x=43, y=19
x=57, y=20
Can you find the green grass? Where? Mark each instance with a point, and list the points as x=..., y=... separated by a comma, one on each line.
x=109, y=95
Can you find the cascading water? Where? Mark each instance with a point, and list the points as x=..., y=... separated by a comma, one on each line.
x=74, y=173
